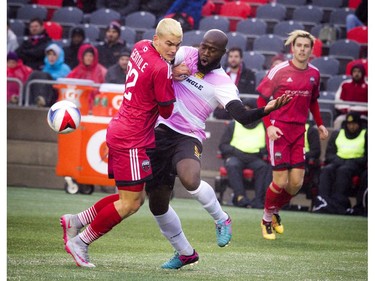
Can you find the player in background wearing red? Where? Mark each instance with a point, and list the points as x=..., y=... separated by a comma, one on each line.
x=286, y=126
x=130, y=139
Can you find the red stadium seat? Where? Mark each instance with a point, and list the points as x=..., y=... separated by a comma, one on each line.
x=53, y=29
x=235, y=11
x=208, y=9
x=358, y=34
x=51, y=5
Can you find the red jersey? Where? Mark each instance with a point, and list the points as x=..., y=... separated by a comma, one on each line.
x=148, y=84
x=303, y=85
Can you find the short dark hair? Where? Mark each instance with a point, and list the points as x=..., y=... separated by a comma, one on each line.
x=234, y=49
x=39, y=20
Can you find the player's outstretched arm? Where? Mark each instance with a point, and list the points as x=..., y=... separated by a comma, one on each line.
x=277, y=103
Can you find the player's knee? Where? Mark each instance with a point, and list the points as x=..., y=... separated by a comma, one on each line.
x=191, y=183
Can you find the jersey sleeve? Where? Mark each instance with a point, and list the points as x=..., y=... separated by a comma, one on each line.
x=266, y=87
x=164, y=92
x=226, y=93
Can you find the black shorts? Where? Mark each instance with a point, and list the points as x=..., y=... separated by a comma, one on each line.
x=171, y=147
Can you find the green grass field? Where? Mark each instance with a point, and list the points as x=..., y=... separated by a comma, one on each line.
x=313, y=247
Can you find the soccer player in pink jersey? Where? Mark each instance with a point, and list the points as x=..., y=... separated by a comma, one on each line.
x=130, y=139
x=286, y=127
x=179, y=142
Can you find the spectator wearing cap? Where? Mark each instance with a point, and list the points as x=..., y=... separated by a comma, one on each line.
x=77, y=38
x=117, y=73
x=15, y=69
x=31, y=51
x=244, y=147
x=110, y=49
x=346, y=156
x=355, y=90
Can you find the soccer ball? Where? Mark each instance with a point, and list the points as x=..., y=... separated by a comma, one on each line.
x=64, y=117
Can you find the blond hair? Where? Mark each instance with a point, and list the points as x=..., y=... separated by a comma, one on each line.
x=169, y=26
x=299, y=33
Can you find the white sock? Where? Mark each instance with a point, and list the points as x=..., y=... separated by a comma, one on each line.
x=170, y=226
x=205, y=195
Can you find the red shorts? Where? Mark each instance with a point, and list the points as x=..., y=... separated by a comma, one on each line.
x=129, y=168
x=289, y=150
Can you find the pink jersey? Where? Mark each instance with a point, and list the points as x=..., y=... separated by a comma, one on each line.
x=285, y=78
x=148, y=84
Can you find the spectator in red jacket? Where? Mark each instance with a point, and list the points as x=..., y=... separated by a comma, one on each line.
x=15, y=69
x=356, y=90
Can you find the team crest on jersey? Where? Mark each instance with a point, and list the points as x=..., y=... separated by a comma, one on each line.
x=312, y=80
x=197, y=153
x=146, y=165
x=278, y=155
x=145, y=49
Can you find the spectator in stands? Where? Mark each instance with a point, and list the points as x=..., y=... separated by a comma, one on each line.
x=356, y=90
x=110, y=49
x=192, y=8
x=124, y=7
x=346, y=156
x=89, y=67
x=87, y=6
x=359, y=18
x=12, y=43
x=363, y=61
x=54, y=62
x=77, y=38
x=243, y=77
x=117, y=72
x=15, y=69
x=244, y=147
x=156, y=7
x=32, y=50
x=276, y=59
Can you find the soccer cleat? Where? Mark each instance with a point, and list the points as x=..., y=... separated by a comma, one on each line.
x=276, y=224
x=69, y=229
x=224, y=232
x=178, y=261
x=267, y=230
x=79, y=251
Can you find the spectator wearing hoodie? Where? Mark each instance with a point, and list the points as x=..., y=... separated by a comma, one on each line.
x=54, y=62
x=77, y=38
x=352, y=90
x=89, y=67
x=15, y=69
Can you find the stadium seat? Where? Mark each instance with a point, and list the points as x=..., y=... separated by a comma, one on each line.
x=218, y=22
x=358, y=34
x=17, y=26
x=344, y=51
x=254, y=4
x=149, y=34
x=103, y=17
x=328, y=67
x=269, y=45
x=192, y=38
x=68, y=17
x=236, y=39
x=290, y=6
x=235, y=11
x=51, y=5
x=327, y=6
x=141, y=21
x=327, y=107
x=251, y=28
x=30, y=11
x=353, y=4
x=271, y=13
x=129, y=35
x=259, y=75
x=308, y=15
x=13, y=6
x=254, y=60
x=335, y=81
x=338, y=18
x=283, y=28
x=208, y=9
x=53, y=29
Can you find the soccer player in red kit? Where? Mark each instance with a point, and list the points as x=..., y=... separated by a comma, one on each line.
x=130, y=139
x=286, y=126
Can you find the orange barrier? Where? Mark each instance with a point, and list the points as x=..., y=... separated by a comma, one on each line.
x=109, y=99
x=83, y=154
x=77, y=91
